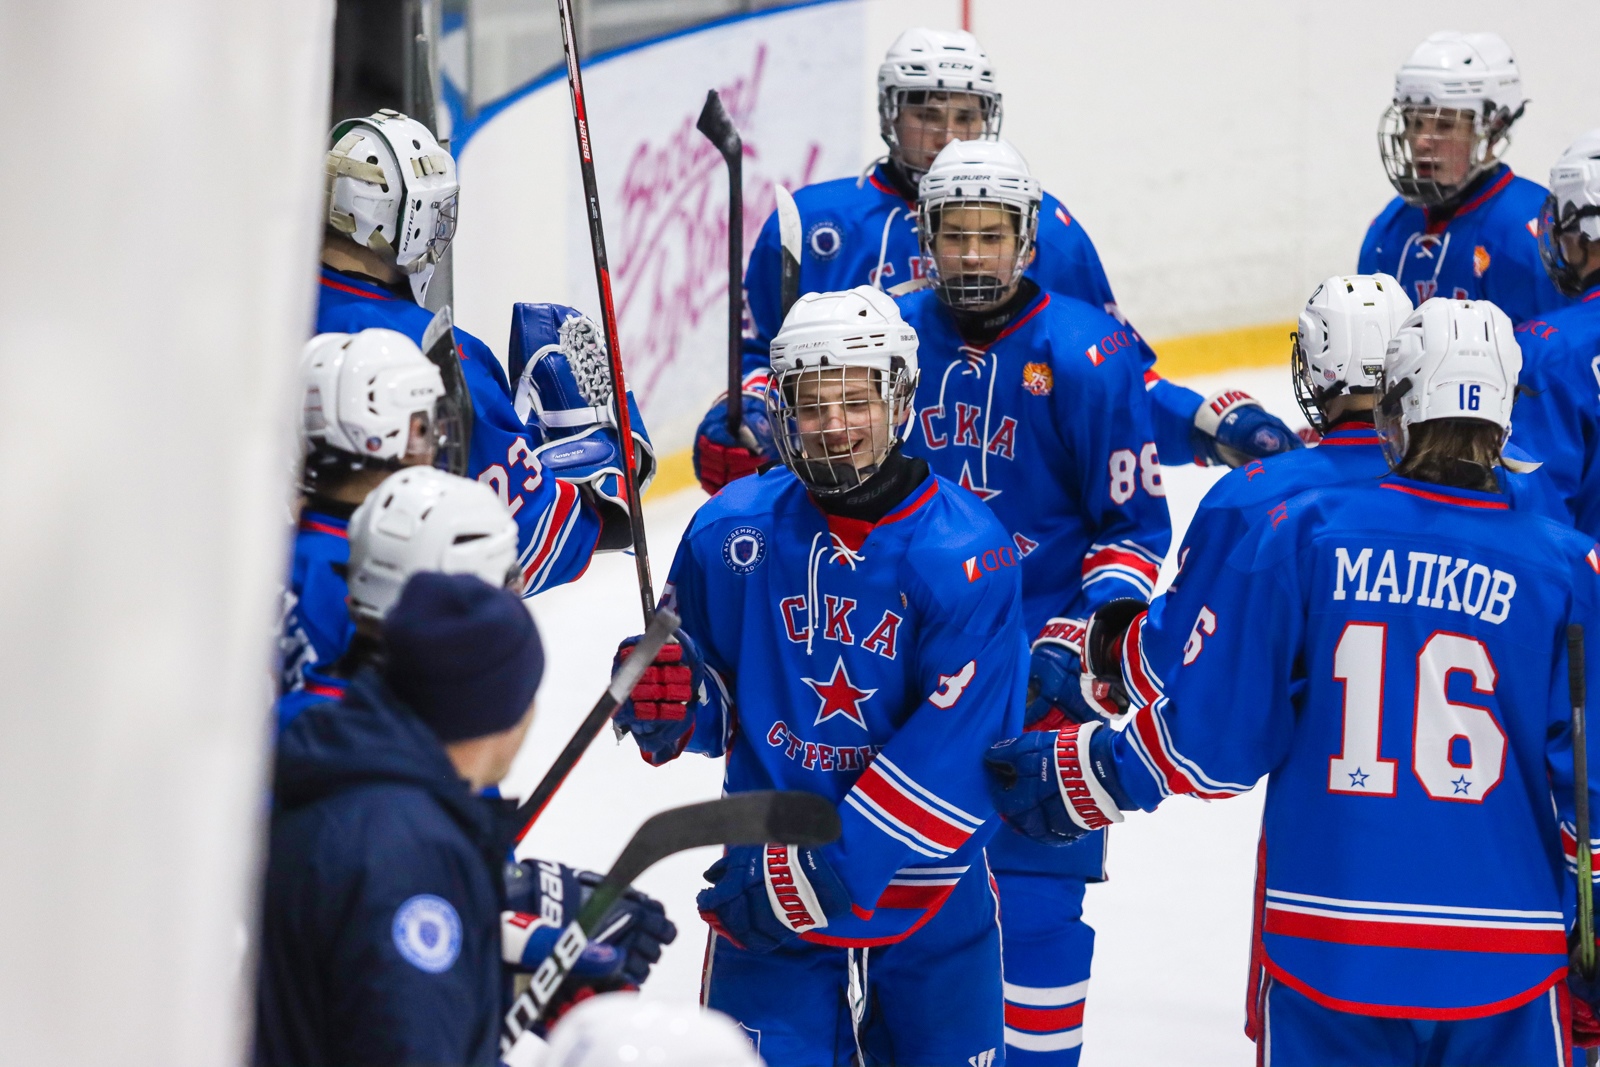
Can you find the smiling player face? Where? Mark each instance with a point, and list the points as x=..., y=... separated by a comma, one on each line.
x=841, y=417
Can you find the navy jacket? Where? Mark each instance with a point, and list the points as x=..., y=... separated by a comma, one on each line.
x=381, y=931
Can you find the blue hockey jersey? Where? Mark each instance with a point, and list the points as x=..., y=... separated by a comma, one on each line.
x=872, y=663
x=864, y=233
x=1488, y=249
x=556, y=530
x=1392, y=656
x=1050, y=427
x=1557, y=414
x=316, y=624
x=1349, y=454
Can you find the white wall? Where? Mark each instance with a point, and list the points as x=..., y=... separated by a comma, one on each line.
x=163, y=184
x=1223, y=156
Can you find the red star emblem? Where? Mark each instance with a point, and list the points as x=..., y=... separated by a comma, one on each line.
x=982, y=492
x=839, y=697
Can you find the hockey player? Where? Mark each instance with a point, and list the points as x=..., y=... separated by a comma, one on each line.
x=852, y=626
x=372, y=405
x=1557, y=413
x=1423, y=595
x=1463, y=225
x=935, y=87
x=1035, y=402
x=418, y=519
x=391, y=207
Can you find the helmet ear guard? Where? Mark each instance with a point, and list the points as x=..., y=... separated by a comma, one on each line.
x=1342, y=335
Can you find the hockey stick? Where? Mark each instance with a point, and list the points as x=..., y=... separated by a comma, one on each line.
x=789, y=239
x=1584, y=953
x=622, y=683
x=439, y=345
x=717, y=125
x=790, y=818
x=608, y=311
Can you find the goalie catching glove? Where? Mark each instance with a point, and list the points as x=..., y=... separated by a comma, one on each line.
x=563, y=395
x=764, y=896
x=1056, y=786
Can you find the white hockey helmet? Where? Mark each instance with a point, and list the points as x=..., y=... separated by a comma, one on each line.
x=370, y=400
x=1572, y=210
x=1450, y=359
x=392, y=188
x=621, y=1030
x=422, y=519
x=992, y=177
x=1451, y=76
x=832, y=445
x=922, y=62
x=1341, y=338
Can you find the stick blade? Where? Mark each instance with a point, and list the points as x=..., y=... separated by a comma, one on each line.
x=769, y=816
x=788, y=222
x=717, y=125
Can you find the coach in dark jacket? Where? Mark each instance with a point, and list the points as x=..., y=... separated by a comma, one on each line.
x=381, y=931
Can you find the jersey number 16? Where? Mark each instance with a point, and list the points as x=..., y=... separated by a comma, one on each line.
x=1457, y=750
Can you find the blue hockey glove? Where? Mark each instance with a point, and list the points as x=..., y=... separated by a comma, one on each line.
x=636, y=926
x=564, y=388
x=661, y=712
x=765, y=896
x=1059, y=690
x=1045, y=786
x=1231, y=427
x=718, y=457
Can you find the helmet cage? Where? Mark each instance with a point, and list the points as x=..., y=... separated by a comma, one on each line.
x=995, y=277
x=1491, y=136
x=806, y=451
x=438, y=426
x=894, y=99
x=1557, y=220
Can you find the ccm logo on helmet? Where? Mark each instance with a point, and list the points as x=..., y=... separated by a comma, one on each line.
x=991, y=560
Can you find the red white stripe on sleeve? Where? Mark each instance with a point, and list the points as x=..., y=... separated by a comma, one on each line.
x=1173, y=772
x=892, y=801
x=1143, y=685
x=1125, y=560
x=549, y=538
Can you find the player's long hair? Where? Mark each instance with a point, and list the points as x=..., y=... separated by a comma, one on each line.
x=1457, y=452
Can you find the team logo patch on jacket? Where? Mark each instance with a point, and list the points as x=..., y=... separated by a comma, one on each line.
x=1480, y=261
x=825, y=240
x=427, y=933
x=1037, y=379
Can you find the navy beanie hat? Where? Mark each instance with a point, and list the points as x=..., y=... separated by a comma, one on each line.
x=464, y=655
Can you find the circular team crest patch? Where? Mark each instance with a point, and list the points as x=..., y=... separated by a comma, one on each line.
x=744, y=549
x=427, y=932
x=825, y=240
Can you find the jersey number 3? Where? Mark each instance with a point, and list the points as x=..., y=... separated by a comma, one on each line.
x=1457, y=750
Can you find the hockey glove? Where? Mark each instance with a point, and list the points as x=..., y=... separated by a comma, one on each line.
x=660, y=713
x=1059, y=691
x=765, y=896
x=1103, y=637
x=718, y=457
x=1045, y=786
x=1232, y=428
x=636, y=926
x=1585, y=995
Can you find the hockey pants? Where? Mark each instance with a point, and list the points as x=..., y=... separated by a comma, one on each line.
x=1298, y=1032
x=1048, y=947
x=932, y=1000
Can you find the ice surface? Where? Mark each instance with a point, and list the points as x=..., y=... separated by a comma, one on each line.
x=1172, y=924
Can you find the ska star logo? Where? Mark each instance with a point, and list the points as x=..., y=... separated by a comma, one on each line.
x=839, y=696
x=982, y=492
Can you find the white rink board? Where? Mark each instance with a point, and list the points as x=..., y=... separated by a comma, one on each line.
x=1173, y=923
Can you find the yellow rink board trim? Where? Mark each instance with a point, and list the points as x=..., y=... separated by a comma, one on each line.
x=1176, y=357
